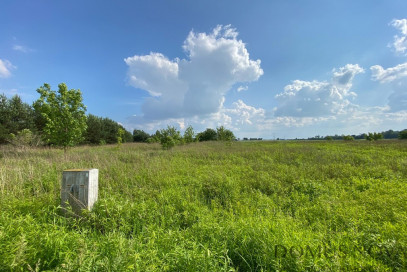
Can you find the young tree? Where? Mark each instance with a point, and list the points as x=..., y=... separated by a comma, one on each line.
x=348, y=138
x=224, y=134
x=189, y=135
x=120, y=135
x=170, y=137
x=373, y=136
x=64, y=114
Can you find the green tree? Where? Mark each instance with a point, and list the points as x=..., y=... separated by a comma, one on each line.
x=224, y=134
x=373, y=136
x=94, y=131
x=170, y=137
x=120, y=135
x=189, y=135
x=140, y=136
x=348, y=138
x=64, y=114
x=403, y=134
x=15, y=115
x=208, y=135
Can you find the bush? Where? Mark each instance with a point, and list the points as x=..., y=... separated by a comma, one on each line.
x=207, y=135
x=25, y=138
x=189, y=135
x=348, y=138
x=224, y=134
x=373, y=136
x=169, y=137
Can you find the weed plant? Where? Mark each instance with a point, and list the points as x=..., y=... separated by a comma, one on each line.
x=245, y=206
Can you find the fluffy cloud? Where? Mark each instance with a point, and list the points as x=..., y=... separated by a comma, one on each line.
x=316, y=98
x=389, y=74
x=400, y=42
x=195, y=86
x=397, y=76
x=5, y=68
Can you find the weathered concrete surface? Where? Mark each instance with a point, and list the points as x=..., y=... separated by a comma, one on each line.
x=79, y=188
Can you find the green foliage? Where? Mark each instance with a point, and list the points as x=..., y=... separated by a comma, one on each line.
x=329, y=138
x=15, y=116
x=140, y=136
x=94, y=132
x=25, y=138
x=170, y=137
x=374, y=136
x=104, y=130
x=207, y=135
x=223, y=134
x=403, y=134
x=189, y=135
x=348, y=138
x=120, y=134
x=64, y=114
x=390, y=134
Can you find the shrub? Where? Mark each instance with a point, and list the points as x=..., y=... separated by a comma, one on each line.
x=207, y=135
x=25, y=138
x=189, y=135
x=224, y=134
x=348, y=138
x=373, y=136
x=169, y=137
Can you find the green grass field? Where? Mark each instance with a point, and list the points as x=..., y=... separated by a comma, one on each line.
x=244, y=206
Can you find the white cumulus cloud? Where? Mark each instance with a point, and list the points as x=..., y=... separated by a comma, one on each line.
x=316, y=98
x=5, y=68
x=195, y=86
x=389, y=74
x=400, y=41
x=397, y=76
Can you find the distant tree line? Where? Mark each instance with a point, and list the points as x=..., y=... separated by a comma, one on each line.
x=389, y=134
x=171, y=136
x=55, y=119
x=58, y=118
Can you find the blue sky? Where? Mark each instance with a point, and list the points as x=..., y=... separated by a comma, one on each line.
x=261, y=68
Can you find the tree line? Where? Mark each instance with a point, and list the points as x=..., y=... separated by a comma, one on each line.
x=58, y=118
x=370, y=136
x=171, y=136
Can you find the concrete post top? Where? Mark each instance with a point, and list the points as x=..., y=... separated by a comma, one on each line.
x=80, y=170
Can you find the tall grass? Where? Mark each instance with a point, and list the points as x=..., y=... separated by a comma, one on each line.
x=249, y=206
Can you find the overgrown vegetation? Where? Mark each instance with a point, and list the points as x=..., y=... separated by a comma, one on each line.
x=207, y=206
x=55, y=119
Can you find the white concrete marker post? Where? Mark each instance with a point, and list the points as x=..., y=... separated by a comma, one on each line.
x=79, y=189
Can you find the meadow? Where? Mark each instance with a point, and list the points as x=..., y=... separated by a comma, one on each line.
x=210, y=206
